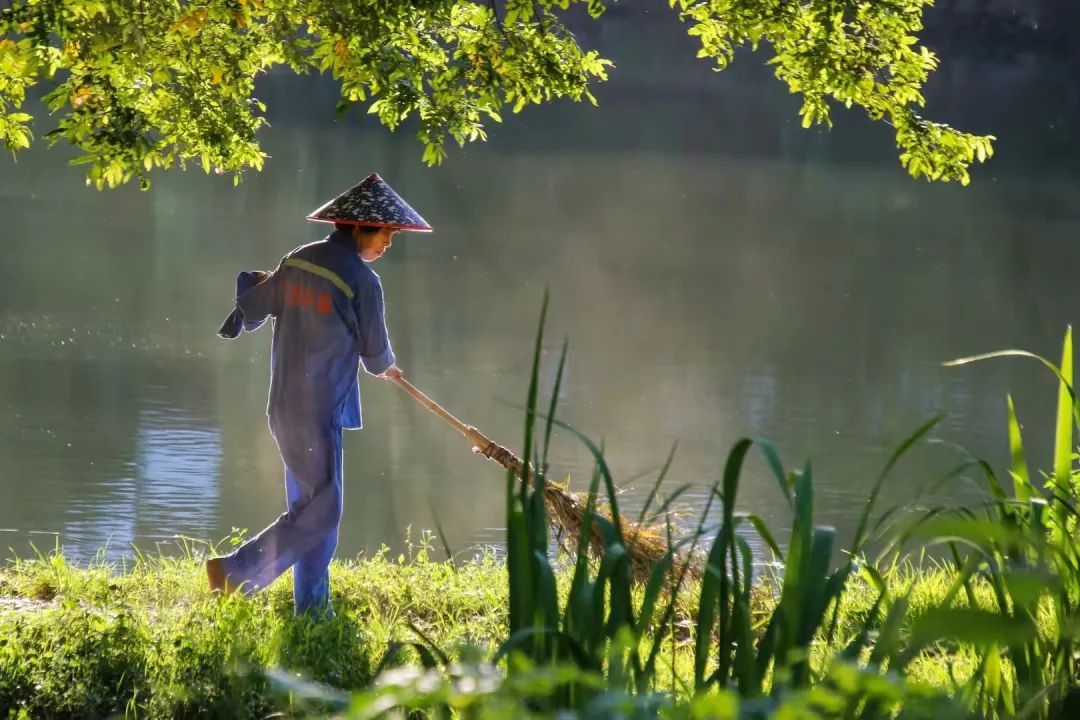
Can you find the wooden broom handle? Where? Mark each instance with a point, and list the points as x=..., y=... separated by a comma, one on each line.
x=471, y=434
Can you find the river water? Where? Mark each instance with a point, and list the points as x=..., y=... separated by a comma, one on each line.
x=718, y=271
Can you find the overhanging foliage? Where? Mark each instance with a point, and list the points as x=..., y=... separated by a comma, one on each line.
x=139, y=84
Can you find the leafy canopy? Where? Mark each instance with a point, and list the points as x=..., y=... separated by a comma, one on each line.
x=139, y=84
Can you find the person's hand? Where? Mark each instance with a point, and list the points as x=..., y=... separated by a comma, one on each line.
x=392, y=373
x=262, y=276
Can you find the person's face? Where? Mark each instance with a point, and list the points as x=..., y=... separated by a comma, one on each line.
x=374, y=245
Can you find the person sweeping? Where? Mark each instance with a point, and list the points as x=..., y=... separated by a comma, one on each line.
x=328, y=311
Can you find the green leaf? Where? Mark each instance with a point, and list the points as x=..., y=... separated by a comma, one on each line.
x=130, y=71
x=1063, y=428
x=765, y=534
x=1020, y=475
x=978, y=627
x=777, y=468
x=979, y=532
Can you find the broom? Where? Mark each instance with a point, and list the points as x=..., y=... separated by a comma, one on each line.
x=566, y=511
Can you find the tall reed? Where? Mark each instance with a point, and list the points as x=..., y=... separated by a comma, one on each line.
x=601, y=631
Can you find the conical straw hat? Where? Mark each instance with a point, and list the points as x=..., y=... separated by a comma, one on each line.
x=372, y=202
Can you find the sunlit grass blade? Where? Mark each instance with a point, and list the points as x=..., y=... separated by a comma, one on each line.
x=668, y=617
x=990, y=478
x=1037, y=703
x=669, y=501
x=652, y=495
x=1064, y=447
x=889, y=643
x=530, y=636
x=776, y=629
x=964, y=569
x=517, y=562
x=834, y=591
x=531, y=399
x=861, y=640
x=744, y=668
x=818, y=590
x=602, y=467
x=781, y=636
x=1021, y=476
x=886, y=526
x=657, y=578
x=656, y=486
x=970, y=625
x=772, y=458
x=729, y=579
x=547, y=601
x=606, y=618
x=1066, y=382
x=992, y=678
x=1027, y=586
x=578, y=614
x=554, y=403
x=706, y=617
x=393, y=653
x=520, y=535
x=873, y=577
x=982, y=533
x=765, y=534
x=714, y=578
x=536, y=503
x=435, y=656
x=684, y=569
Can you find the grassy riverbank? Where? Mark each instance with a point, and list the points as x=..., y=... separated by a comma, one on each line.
x=151, y=641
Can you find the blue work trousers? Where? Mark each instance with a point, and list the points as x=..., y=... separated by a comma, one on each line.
x=306, y=536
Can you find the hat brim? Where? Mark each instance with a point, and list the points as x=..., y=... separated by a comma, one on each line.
x=410, y=228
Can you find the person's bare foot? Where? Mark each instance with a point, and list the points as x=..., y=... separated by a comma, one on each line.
x=215, y=573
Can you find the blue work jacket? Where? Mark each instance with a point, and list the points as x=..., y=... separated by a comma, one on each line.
x=328, y=318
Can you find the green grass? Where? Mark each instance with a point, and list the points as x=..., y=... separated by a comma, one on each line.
x=154, y=642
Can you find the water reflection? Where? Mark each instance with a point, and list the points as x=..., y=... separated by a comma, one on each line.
x=178, y=468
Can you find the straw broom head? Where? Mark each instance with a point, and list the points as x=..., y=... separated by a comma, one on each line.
x=566, y=511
